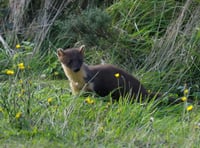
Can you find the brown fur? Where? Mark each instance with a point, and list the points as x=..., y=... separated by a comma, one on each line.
x=100, y=79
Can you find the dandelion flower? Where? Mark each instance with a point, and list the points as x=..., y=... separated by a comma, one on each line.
x=20, y=81
x=189, y=108
x=108, y=104
x=88, y=100
x=19, y=95
x=30, y=82
x=18, y=46
x=184, y=99
x=101, y=129
x=56, y=73
x=117, y=75
x=22, y=91
x=49, y=100
x=10, y=72
x=185, y=92
x=21, y=66
x=18, y=115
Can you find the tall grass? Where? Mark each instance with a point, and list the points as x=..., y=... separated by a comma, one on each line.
x=35, y=113
x=29, y=20
x=173, y=54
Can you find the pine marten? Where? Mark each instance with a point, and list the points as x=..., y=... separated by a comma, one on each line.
x=101, y=79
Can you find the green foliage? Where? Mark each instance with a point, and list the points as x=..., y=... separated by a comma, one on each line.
x=35, y=113
x=3, y=10
x=138, y=24
x=144, y=17
x=159, y=40
x=43, y=64
x=91, y=27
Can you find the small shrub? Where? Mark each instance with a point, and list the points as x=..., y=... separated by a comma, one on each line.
x=91, y=27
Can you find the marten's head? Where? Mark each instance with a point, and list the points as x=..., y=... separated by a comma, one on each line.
x=71, y=58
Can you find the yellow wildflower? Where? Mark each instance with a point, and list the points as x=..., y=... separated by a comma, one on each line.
x=22, y=91
x=18, y=115
x=49, y=100
x=101, y=129
x=89, y=100
x=20, y=81
x=18, y=46
x=21, y=66
x=189, y=108
x=185, y=92
x=117, y=75
x=56, y=73
x=184, y=99
x=19, y=95
x=29, y=82
x=10, y=72
x=109, y=103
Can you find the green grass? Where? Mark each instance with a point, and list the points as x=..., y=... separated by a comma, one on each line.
x=156, y=41
x=68, y=121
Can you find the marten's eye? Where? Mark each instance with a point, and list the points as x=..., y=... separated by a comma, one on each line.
x=80, y=60
x=69, y=62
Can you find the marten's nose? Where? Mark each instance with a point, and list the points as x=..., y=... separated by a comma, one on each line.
x=76, y=70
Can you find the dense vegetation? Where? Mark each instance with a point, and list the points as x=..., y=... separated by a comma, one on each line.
x=158, y=41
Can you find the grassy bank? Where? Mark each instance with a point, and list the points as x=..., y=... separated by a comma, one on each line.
x=156, y=41
x=38, y=112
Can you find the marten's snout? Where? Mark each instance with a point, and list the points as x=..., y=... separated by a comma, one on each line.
x=76, y=69
x=75, y=65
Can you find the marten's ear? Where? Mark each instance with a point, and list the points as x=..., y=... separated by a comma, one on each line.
x=60, y=52
x=81, y=49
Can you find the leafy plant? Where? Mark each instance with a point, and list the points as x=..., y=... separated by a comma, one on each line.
x=91, y=27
